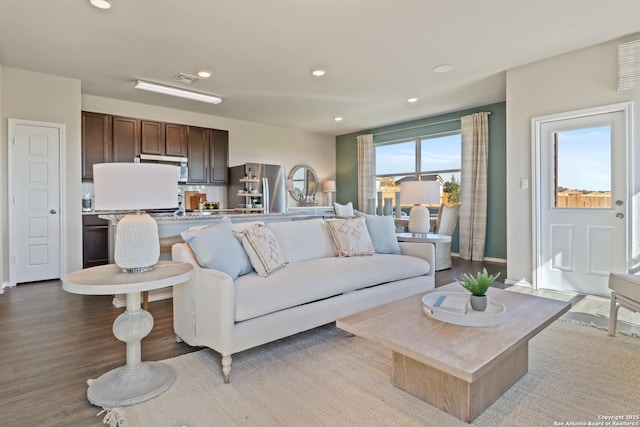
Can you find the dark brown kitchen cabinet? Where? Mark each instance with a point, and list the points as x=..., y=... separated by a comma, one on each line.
x=151, y=137
x=175, y=140
x=219, y=157
x=126, y=139
x=108, y=139
x=164, y=139
x=198, y=153
x=95, y=241
x=96, y=141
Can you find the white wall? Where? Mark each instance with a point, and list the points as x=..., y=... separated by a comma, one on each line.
x=40, y=97
x=248, y=141
x=577, y=80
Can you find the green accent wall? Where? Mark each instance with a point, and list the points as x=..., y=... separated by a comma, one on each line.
x=347, y=166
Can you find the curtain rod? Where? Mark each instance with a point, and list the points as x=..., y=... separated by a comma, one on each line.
x=418, y=127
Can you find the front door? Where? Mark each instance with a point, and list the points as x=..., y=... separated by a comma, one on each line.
x=582, y=200
x=34, y=201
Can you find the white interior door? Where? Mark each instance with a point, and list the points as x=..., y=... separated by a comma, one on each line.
x=582, y=201
x=35, y=220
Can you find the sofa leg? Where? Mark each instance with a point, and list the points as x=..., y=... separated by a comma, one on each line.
x=613, y=314
x=226, y=367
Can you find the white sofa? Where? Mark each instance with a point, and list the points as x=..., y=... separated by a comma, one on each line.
x=316, y=287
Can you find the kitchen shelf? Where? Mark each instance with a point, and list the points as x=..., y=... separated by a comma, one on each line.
x=256, y=180
x=249, y=209
x=249, y=194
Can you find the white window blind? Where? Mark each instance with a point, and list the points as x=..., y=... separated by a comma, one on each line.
x=629, y=65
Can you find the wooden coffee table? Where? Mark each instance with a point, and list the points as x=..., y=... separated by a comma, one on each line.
x=459, y=369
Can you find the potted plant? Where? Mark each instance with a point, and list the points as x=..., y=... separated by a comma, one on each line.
x=478, y=287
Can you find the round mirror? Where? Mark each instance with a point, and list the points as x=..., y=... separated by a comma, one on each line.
x=304, y=184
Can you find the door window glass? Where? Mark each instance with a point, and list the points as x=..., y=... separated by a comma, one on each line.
x=582, y=168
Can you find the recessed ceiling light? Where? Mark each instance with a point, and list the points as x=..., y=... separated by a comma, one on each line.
x=319, y=73
x=443, y=68
x=101, y=4
x=337, y=119
x=412, y=100
x=204, y=74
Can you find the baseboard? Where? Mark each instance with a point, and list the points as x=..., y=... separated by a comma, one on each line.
x=520, y=282
x=156, y=295
x=5, y=285
x=488, y=259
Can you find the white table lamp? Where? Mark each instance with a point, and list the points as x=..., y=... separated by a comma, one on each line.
x=135, y=186
x=420, y=193
x=329, y=187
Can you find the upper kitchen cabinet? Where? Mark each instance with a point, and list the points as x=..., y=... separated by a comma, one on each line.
x=126, y=139
x=107, y=139
x=198, y=153
x=219, y=157
x=96, y=141
x=164, y=139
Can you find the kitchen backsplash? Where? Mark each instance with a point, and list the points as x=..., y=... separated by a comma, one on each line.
x=217, y=193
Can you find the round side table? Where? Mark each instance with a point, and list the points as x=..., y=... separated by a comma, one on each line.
x=137, y=381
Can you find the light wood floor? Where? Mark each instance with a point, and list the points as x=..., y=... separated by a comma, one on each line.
x=52, y=341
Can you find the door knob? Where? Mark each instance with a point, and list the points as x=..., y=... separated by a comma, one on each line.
x=619, y=215
x=53, y=211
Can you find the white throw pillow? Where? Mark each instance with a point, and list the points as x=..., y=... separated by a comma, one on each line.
x=217, y=247
x=350, y=236
x=344, y=211
x=263, y=250
x=382, y=230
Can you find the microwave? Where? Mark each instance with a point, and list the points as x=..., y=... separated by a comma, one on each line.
x=181, y=164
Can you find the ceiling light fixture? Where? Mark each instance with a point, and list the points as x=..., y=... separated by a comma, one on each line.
x=319, y=73
x=443, y=68
x=174, y=91
x=101, y=4
x=337, y=119
x=412, y=100
x=204, y=74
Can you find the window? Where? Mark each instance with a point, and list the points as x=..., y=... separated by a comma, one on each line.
x=437, y=155
x=582, y=168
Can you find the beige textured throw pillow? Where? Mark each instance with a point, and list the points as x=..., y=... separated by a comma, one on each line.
x=263, y=250
x=351, y=236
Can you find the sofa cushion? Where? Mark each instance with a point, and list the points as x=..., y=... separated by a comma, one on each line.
x=382, y=230
x=351, y=236
x=217, y=247
x=312, y=280
x=263, y=250
x=303, y=240
x=344, y=211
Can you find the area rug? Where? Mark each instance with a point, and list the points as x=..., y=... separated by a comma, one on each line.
x=326, y=377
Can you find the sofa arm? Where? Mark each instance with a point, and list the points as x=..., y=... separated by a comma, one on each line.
x=204, y=307
x=422, y=250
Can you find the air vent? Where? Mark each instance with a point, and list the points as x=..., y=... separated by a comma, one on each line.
x=186, y=78
x=629, y=65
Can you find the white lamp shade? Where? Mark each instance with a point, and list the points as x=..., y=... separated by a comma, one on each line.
x=133, y=186
x=329, y=186
x=420, y=192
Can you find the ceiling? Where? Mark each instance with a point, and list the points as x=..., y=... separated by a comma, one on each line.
x=377, y=53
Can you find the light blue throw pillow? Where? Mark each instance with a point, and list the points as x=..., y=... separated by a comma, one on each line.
x=217, y=247
x=382, y=230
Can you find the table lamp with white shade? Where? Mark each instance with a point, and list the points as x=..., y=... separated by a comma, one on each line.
x=329, y=187
x=420, y=193
x=135, y=187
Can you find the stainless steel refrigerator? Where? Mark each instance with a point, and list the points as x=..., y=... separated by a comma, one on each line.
x=272, y=186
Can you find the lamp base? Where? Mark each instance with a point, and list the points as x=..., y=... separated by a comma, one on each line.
x=419, y=220
x=137, y=246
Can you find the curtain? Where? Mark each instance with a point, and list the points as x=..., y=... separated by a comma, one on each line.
x=366, y=177
x=473, y=183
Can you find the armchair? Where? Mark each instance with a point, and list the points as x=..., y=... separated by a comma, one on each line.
x=625, y=292
x=447, y=221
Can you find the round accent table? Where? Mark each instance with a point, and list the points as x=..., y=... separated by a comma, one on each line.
x=137, y=381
